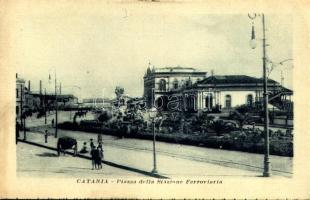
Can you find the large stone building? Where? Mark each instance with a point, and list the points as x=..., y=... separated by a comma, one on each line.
x=185, y=89
x=169, y=80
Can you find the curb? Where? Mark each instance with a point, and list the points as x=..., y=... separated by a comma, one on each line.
x=103, y=161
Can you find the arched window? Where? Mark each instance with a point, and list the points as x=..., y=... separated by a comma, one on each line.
x=175, y=84
x=188, y=83
x=209, y=101
x=249, y=100
x=227, y=101
x=162, y=85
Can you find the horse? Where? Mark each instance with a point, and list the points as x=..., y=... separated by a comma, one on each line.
x=64, y=143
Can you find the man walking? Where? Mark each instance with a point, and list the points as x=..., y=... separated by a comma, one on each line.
x=46, y=135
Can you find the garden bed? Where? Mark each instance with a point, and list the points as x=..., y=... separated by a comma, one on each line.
x=247, y=140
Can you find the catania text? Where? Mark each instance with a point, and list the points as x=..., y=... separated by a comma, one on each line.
x=147, y=181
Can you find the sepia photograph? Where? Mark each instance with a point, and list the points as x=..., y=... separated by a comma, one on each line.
x=146, y=95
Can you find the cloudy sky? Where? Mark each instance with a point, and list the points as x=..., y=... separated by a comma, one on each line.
x=100, y=50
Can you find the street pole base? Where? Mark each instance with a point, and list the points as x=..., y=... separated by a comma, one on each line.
x=266, y=174
x=154, y=171
x=267, y=167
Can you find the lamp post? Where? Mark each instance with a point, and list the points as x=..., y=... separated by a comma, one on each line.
x=56, y=108
x=266, y=172
x=56, y=104
x=152, y=114
x=45, y=120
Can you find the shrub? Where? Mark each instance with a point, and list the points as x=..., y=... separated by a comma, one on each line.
x=220, y=126
x=105, y=116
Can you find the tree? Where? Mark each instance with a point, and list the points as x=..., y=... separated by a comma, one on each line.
x=220, y=126
x=241, y=115
x=119, y=91
x=104, y=116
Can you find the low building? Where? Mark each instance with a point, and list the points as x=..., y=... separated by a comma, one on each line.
x=226, y=92
x=97, y=103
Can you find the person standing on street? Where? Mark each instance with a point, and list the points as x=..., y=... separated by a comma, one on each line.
x=99, y=138
x=92, y=154
x=100, y=148
x=46, y=135
x=92, y=146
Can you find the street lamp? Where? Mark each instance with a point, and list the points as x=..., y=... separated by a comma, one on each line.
x=266, y=172
x=152, y=115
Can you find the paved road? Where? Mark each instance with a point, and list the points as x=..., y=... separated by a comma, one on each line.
x=35, y=161
x=178, y=160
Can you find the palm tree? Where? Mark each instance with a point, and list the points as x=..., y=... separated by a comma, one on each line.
x=119, y=91
x=240, y=118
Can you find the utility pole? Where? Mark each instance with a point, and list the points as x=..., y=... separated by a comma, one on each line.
x=154, y=171
x=282, y=78
x=56, y=107
x=45, y=121
x=22, y=117
x=266, y=172
x=266, y=124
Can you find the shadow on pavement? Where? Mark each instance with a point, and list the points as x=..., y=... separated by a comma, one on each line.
x=84, y=168
x=46, y=154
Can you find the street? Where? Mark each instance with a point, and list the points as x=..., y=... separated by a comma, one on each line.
x=35, y=161
x=172, y=159
x=175, y=160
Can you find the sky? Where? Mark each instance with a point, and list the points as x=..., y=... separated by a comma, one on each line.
x=101, y=50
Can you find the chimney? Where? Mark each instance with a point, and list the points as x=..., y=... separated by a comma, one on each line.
x=16, y=75
x=40, y=87
x=29, y=86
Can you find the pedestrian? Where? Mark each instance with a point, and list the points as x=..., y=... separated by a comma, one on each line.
x=53, y=123
x=99, y=138
x=46, y=135
x=92, y=146
x=98, y=158
x=100, y=148
x=84, y=149
x=92, y=154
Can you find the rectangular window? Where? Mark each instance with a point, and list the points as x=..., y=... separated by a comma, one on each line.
x=17, y=93
x=17, y=110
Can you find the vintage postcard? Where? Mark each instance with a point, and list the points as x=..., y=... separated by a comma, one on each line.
x=154, y=99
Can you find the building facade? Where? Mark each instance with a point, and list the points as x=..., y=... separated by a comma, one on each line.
x=20, y=96
x=217, y=93
x=185, y=89
x=169, y=80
